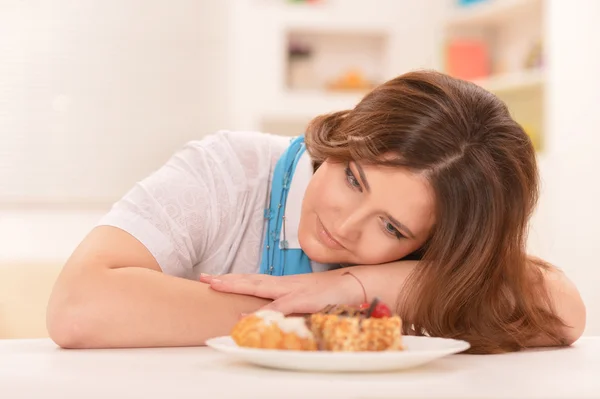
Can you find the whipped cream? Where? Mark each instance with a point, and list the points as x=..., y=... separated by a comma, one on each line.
x=295, y=325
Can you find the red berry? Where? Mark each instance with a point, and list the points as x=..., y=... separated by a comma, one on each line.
x=381, y=310
x=364, y=306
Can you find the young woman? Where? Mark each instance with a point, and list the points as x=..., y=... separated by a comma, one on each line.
x=420, y=195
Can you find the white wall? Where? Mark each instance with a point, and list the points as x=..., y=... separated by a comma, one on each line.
x=572, y=185
x=42, y=236
x=96, y=94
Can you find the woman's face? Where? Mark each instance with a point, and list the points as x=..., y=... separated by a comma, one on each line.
x=364, y=214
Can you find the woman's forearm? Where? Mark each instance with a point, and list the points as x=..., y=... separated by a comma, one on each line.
x=138, y=307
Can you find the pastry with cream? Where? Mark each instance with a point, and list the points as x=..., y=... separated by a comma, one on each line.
x=339, y=328
x=268, y=329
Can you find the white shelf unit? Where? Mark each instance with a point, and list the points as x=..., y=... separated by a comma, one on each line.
x=260, y=95
x=492, y=12
x=511, y=30
x=514, y=82
x=330, y=16
x=294, y=110
x=311, y=103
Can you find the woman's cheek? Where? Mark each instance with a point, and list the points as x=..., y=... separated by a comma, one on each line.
x=375, y=252
x=327, y=192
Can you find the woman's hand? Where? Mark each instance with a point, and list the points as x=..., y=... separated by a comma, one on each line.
x=299, y=294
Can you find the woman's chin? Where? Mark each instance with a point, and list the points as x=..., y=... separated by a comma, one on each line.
x=317, y=252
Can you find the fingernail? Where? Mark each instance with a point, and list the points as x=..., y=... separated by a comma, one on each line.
x=204, y=275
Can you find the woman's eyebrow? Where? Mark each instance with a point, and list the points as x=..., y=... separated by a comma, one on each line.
x=363, y=178
x=400, y=226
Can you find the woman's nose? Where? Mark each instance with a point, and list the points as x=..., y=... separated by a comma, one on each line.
x=348, y=228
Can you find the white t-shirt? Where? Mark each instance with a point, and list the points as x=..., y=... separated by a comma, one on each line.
x=203, y=211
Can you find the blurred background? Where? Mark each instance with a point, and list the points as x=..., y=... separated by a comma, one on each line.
x=96, y=94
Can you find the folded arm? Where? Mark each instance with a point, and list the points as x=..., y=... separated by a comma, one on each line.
x=111, y=293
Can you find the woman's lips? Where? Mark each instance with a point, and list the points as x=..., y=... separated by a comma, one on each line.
x=326, y=238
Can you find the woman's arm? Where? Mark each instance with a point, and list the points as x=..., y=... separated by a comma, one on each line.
x=385, y=281
x=124, y=285
x=568, y=305
x=309, y=293
x=382, y=281
x=111, y=293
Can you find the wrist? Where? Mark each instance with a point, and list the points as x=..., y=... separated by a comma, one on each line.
x=356, y=289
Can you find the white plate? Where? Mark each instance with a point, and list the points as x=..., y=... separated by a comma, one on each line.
x=419, y=350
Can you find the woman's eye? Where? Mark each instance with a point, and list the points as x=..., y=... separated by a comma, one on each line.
x=389, y=228
x=352, y=180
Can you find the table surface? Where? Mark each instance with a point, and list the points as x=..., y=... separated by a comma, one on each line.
x=39, y=369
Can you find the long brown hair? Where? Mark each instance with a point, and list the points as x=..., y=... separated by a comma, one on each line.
x=474, y=281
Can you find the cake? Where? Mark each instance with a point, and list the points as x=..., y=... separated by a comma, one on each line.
x=338, y=328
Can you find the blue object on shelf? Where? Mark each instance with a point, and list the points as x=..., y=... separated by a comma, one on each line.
x=464, y=3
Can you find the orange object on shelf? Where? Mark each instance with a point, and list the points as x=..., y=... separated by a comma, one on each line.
x=351, y=80
x=468, y=59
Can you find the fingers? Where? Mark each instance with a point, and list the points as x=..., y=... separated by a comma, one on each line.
x=207, y=278
x=269, y=289
x=293, y=304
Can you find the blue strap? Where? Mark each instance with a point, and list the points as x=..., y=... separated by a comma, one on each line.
x=277, y=259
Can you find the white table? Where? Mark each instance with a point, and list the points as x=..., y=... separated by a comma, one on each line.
x=38, y=369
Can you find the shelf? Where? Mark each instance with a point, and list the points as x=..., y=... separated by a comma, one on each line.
x=291, y=113
x=490, y=13
x=351, y=16
x=318, y=60
x=308, y=104
x=513, y=82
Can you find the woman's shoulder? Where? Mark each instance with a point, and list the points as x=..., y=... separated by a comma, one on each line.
x=243, y=142
x=251, y=153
